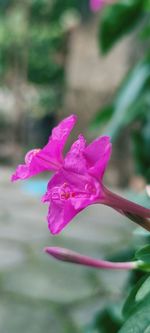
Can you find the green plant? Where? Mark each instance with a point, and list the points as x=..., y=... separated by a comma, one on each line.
x=131, y=104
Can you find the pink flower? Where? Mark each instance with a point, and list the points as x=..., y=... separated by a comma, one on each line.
x=68, y=193
x=96, y=5
x=77, y=181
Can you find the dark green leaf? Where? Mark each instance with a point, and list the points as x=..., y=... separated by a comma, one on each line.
x=141, y=144
x=130, y=92
x=147, y=5
x=131, y=302
x=117, y=20
x=145, y=33
x=108, y=320
x=144, y=290
x=139, y=322
x=143, y=254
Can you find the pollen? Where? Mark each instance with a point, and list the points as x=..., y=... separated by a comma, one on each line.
x=63, y=192
x=66, y=192
x=64, y=195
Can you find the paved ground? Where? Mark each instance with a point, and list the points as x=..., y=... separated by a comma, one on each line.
x=39, y=293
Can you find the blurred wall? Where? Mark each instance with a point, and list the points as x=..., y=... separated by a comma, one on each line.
x=92, y=80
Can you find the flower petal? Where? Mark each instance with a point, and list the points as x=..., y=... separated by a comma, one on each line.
x=61, y=132
x=81, y=190
x=74, y=159
x=59, y=215
x=97, y=156
x=69, y=193
x=50, y=157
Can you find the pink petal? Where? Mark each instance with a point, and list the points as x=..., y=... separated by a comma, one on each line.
x=61, y=132
x=82, y=190
x=59, y=215
x=75, y=160
x=50, y=157
x=97, y=156
x=69, y=193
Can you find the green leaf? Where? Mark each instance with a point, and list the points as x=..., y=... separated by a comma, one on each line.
x=145, y=33
x=143, y=291
x=137, y=308
x=107, y=320
x=139, y=108
x=139, y=322
x=144, y=254
x=147, y=5
x=117, y=20
x=131, y=90
x=131, y=302
x=141, y=144
x=131, y=102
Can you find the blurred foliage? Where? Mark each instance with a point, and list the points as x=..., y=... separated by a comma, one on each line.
x=118, y=21
x=108, y=320
x=131, y=104
x=46, y=102
x=33, y=42
x=137, y=308
x=129, y=108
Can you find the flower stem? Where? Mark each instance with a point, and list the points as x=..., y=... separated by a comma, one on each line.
x=135, y=212
x=76, y=258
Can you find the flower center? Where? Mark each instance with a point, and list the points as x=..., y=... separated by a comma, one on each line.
x=63, y=192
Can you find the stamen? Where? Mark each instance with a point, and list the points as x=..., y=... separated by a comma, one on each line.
x=63, y=192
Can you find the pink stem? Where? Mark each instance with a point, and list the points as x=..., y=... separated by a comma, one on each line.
x=76, y=258
x=135, y=212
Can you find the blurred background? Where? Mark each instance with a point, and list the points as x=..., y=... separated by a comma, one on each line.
x=59, y=58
